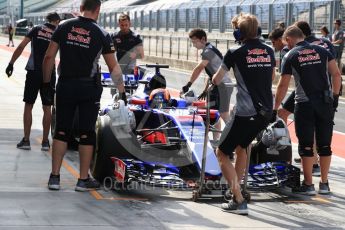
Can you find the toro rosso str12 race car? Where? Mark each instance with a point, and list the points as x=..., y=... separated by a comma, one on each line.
x=156, y=139
x=160, y=140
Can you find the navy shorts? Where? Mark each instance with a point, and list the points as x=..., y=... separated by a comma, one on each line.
x=74, y=94
x=315, y=117
x=33, y=83
x=241, y=131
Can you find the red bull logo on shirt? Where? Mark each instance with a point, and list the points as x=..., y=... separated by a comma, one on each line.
x=44, y=34
x=79, y=38
x=260, y=59
x=257, y=52
x=308, y=58
x=80, y=31
x=306, y=51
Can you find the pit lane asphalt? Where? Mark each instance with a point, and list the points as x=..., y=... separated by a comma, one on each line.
x=26, y=203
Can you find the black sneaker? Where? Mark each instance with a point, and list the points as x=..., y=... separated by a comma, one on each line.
x=54, y=182
x=45, y=146
x=234, y=207
x=324, y=188
x=305, y=189
x=23, y=144
x=84, y=185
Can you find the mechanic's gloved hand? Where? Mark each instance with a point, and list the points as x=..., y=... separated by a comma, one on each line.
x=274, y=116
x=335, y=101
x=9, y=70
x=47, y=93
x=203, y=95
x=123, y=97
x=186, y=87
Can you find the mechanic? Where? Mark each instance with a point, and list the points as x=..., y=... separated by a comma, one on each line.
x=276, y=38
x=253, y=64
x=314, y=103
x=128, y=45
x=338, y=41
x=39, y=36
x=10, y=31
x=211, y=60
x=289, y=104
x=80, y=42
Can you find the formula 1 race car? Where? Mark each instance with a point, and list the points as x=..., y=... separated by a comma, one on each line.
x=160, y=140
x=156, y=139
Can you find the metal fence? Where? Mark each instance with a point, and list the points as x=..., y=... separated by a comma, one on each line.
x=179, y=48
x=215, y=16
x=5, y=20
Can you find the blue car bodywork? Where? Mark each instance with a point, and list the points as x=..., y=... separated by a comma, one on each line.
x=164, y=146
x=174, y=161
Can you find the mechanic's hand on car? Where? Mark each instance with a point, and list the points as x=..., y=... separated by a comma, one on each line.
x=9, y=70
x=47, y=93
x=186, y=87
x=123, y=97
x=335, y=101
x=203, y=95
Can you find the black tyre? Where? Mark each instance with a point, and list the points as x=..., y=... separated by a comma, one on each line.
x=101, y=164
x=108, y=146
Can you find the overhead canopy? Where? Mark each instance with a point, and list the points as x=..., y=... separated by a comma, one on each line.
x=22, y=22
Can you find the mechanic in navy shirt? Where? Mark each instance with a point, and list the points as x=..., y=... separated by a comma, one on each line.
x=253, y=64
x=80, y=42
x=128, y=45
x=288, y=105
x=211, y=60
x=39, y=36
x=314, y=102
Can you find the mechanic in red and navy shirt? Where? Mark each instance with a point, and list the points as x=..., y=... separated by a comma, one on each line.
x=288, y=105
x=253, y=64
x=315, y=100
x=128, y=45
x=81, y=42
x=39, y=36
